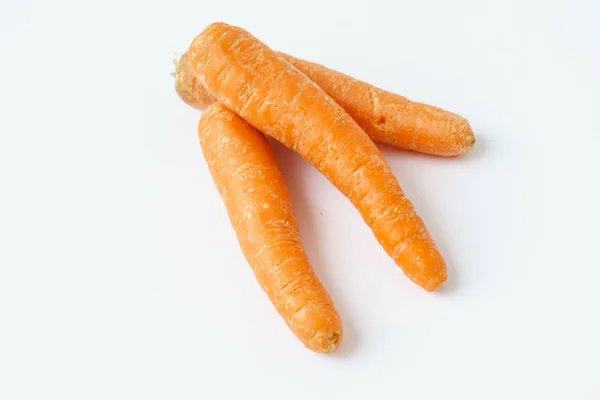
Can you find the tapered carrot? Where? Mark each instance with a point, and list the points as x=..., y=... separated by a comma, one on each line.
x=246, y=174
x=252, y=80
x=386, y=117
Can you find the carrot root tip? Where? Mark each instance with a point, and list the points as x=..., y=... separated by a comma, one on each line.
x=334, y=341
x=435, y=284
x=326, y=342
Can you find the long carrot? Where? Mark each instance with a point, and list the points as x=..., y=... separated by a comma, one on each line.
x=386, y=117
x=246, y=174
x=268, y=92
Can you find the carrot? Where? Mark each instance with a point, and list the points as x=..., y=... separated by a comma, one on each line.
x=246, y=174
x=386, y=117
x=252, y=80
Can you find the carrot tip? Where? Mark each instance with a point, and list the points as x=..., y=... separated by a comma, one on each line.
x=326, y=342
x=434, y=284
x=334, y=341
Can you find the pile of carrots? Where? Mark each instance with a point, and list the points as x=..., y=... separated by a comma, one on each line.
x=332, y=120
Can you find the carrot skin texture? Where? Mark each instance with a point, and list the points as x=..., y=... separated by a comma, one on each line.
x=386, y=117
x=246, y=174
x=268, y=92
x=390, y=118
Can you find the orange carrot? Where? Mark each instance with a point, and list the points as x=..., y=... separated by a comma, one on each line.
x=268, y=92
x=386, y=117
x=246, y=174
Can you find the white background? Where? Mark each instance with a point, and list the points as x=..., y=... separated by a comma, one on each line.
x=121, y=278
